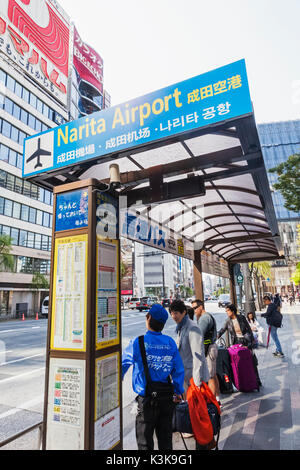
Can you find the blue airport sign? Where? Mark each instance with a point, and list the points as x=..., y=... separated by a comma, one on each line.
x=213, y=97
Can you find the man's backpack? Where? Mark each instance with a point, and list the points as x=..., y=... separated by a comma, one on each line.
x=277, y=319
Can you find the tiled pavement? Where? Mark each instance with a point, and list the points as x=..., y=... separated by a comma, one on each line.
x=268, y=419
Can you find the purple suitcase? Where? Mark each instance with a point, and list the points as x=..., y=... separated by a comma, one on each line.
x=244, y=376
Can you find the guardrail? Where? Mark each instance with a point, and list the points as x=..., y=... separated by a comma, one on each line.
x=23, y=433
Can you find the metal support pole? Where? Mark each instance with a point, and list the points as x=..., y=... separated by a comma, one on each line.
x=198, y=282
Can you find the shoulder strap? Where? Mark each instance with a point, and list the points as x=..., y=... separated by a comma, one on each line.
x=143, y=354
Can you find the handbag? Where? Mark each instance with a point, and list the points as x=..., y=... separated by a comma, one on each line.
x=181, y=418
x=157, y=391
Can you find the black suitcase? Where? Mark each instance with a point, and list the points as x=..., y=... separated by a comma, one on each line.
x=224, y=371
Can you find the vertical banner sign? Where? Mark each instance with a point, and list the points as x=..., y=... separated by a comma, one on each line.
x=68, y=329
x=88, y=63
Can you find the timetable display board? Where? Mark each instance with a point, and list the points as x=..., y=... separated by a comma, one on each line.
x=107, y=304
x=107, y=402
x=68, y=331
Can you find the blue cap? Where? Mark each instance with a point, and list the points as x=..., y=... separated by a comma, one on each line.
x=159, y=313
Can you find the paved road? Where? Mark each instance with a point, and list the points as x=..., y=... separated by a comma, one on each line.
x=22, y=374
x=22, y=368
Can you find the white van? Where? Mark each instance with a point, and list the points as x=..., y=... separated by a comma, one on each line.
x=45, y=307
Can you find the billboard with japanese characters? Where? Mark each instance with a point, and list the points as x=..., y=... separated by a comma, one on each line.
x=88, y=63
x=35, y=36
x=214, y=97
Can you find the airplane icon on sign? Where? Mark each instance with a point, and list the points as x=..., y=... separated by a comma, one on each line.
x=38, y=154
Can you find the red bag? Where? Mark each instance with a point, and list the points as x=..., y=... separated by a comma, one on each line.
x=198, y=398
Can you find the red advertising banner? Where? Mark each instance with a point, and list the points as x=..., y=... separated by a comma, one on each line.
x=88, y=63
x=35, y=36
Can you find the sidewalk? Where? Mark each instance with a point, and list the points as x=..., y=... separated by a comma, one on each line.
x=268, y=419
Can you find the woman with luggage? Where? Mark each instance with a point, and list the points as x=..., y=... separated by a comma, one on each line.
x=240, y=333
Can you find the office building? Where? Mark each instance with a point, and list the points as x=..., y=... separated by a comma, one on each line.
x=280, y=140
x=47, y=77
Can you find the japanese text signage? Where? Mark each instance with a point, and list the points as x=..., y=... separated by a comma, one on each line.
x=213, y=97
x=71, y=210
x=148, y=232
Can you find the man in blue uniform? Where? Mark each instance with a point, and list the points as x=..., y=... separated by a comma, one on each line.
x=165, y=366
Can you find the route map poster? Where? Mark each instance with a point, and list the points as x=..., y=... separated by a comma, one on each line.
x=68, y=331
x=66, y=404
x=107, y=304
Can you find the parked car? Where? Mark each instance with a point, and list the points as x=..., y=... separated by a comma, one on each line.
x=45, y=307
x=146, y=303
x=133, y=302
x=207, y=297
x=224, y=300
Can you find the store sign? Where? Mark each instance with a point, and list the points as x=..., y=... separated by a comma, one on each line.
x=35, y=37
x=214, y=97
x=88, y=63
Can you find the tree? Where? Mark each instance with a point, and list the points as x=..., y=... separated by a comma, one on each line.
x=38, y=283
x=289, y=182
x=258, y=271
x=6, y=259
x=296, y=276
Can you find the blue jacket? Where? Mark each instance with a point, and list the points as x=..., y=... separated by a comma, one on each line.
x=163, y=360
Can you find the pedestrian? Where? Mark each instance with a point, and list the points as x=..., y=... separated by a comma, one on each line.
x=278, y=302
x=208, y=328
x=165, y=366
x=190, y=312
x=240, y=333
x=255, y=326
x=190, y=344
x=269, y=316
x=191, y=348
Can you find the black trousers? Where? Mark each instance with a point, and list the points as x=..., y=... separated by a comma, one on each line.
x=152, y=418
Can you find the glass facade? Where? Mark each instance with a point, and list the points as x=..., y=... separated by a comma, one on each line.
x=15, y=210
x=27, y=239
x=18, y=185
x=28, y=97
x=27, y=265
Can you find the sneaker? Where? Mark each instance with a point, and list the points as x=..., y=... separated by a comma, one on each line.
x=278, y=354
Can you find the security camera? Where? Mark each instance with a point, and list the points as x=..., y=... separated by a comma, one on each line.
x=115, y=179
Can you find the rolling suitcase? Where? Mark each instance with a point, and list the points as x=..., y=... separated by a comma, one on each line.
x=224, y=371
x=244, y=377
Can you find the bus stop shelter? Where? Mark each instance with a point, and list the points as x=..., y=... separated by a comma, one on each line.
x=192, y=178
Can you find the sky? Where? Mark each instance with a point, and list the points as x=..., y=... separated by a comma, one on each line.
x=148, y=45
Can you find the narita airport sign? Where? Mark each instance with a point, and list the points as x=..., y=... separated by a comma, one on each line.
x=210, y=98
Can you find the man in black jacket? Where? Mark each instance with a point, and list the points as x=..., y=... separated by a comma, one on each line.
x=269, y=316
